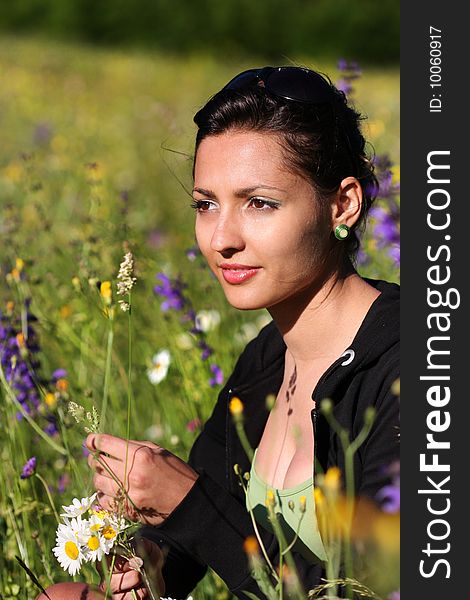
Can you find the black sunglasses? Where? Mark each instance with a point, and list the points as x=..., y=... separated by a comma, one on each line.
x=291, y=83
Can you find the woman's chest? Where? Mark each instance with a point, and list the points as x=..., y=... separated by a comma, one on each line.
x=285, y=452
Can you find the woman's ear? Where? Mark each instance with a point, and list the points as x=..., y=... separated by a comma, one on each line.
x=347, y=203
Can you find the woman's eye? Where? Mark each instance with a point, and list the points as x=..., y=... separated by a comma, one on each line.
x=262, y=203
x=201, y=205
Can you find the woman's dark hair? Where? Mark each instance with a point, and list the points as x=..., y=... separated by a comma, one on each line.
x=321, y=142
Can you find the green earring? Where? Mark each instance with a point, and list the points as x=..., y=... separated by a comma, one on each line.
x=341, y=232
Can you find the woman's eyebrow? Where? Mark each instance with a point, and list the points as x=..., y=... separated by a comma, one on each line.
x=241, y=193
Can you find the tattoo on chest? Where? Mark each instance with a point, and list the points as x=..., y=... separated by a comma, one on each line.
x=291, y=387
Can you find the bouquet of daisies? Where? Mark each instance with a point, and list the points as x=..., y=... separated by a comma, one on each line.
x=87, y=533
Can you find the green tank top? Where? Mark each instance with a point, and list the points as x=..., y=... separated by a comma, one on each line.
x=309, y=542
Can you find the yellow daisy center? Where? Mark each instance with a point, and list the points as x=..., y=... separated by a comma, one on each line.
x=109, y=533
x=71, y=550
x=96, y=527
x=93, y=543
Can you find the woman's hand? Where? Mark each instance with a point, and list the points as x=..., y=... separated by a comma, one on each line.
x=124, y=578
x=156, y=480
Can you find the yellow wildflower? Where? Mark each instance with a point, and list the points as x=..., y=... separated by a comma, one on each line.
x=270, y=499
x=50, y=400
x=15, y=274
x=19, y=263
x=65, y=311
x=332, y=479
x=318, y=496
x=13, y=172
x=236, y=406
x=106, y=291
x=251, y=546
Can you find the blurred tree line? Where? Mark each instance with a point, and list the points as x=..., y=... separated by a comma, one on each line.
x=365, y=30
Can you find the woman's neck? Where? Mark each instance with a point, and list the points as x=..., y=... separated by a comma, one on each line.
x=320, y=323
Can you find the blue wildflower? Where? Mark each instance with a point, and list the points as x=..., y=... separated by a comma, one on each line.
x=192, y=253
x=389, y=495
x=59, y=374
x=29, y=468
x=218, y=378
x=172, y=291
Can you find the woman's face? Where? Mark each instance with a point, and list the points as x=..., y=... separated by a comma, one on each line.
x=257, y=223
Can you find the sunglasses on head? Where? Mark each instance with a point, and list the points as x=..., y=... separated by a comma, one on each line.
x=291, y=83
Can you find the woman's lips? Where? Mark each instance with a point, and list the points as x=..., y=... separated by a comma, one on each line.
x=236, y=274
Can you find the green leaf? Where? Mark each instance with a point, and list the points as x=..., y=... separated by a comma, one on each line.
x=32, y=576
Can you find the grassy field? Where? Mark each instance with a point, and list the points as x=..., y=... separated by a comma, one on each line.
x=95, y=160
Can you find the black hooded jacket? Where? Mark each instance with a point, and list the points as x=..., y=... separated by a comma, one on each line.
x=209, y=526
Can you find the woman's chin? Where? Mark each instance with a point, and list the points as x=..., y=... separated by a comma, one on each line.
x=241, y=302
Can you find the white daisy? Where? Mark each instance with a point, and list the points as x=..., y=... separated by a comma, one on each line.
x=109, y=535
x=207, y=319
x=78, y=507
x=159, y=369
x=67, y=549
x=93, y=544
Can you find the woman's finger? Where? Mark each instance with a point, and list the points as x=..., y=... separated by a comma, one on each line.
x=107, y=486
x=110, y=444
x=140, y=592
x=107, y=466
x=124, y=582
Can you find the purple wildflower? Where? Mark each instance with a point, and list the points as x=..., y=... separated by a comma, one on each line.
x=218, y=378
x=388, y=189
x=344, y=86
x=59, y=374
x=206, y=350
x=394, y=595
x=172, y=291
x=394, y=253
x=19, y=347
x=362, y=258
x=192, y=253
x=42, y=134
x=51, y=429
x=29, y=468
x=386, y=231
x=63, y=482
x=389, y=495
x=350, y=71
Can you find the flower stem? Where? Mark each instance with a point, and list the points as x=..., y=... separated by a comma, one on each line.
x=51, y=502
x=129, y=387
x=30, y=421
x=107, y=373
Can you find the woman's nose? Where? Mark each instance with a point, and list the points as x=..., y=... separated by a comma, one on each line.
x=227, y=235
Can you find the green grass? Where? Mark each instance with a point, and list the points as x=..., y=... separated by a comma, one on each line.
x=95, y=158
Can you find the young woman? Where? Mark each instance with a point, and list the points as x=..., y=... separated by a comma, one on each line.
x=281, y=185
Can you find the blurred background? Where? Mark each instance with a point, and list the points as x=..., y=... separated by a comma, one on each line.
x=96, y=107
x=268, y=29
